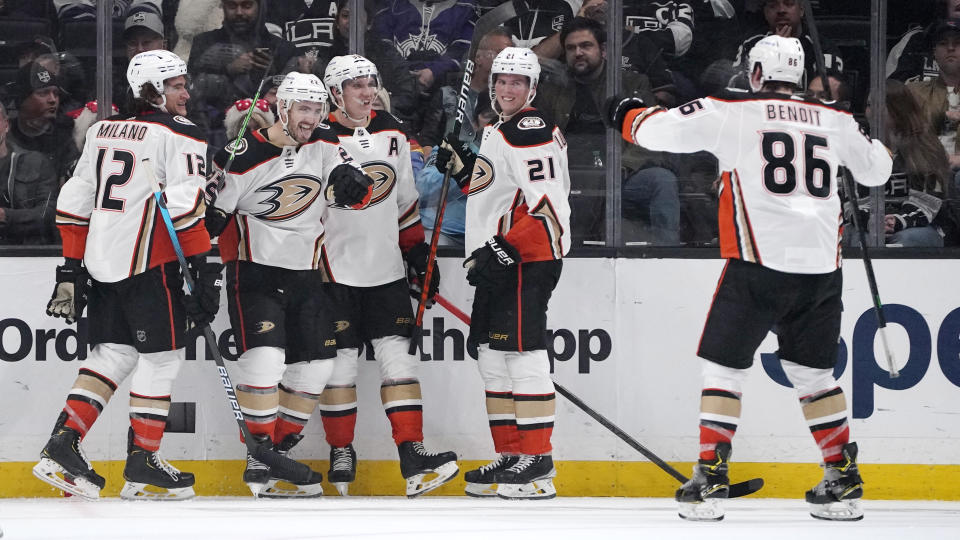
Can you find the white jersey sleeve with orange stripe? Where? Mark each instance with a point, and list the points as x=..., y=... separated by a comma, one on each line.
x=520, y=188
x=779, y=156
x=106, y=211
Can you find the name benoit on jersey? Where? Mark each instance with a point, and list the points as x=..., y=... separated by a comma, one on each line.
x=793, y=113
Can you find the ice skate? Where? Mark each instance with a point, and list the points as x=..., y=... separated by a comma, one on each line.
x=64, y=466
x=529, y=477
x=256, y=474
x=343, y=468
x=837, y=496
x=280, y=488
x=701, y=497
x=425, y=471
x=150, y=477
x=482, y=482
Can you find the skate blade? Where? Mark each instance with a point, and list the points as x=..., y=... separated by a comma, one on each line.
x=848, y=510
x=481, y=490
x=255, y=488
x=55, y=475
x=281, y=489
x=138, y=491
x=542, y=488
x=708, y=510
x=419, y=484
x=343, y=488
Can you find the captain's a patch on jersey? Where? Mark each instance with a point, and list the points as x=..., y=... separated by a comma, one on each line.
x=241, y=146
x=531, y=122
x=183, y=120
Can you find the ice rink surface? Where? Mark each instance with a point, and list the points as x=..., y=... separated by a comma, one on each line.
x=431, y=518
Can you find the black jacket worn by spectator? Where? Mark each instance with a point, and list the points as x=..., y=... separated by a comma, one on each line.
x=28, y=196
x=56, y=144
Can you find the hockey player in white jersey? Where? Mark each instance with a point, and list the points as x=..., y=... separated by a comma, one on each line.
x=274, y=245
x=120, y=259
x=780, y=227
x=518, y=223
x=367, y=250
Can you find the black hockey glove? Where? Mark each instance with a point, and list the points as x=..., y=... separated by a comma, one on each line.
x=417, y=271
x=348, y=186
x=459, y=157
x=69, y=296
x=490, y=265
x=215, y=220
x=203, y=303
x=616, y=109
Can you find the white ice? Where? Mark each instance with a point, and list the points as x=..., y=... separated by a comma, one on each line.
x=430, y=518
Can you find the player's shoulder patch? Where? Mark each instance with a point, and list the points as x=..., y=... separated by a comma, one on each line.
x=250, y=152
x=178, y=124
x=326, y=133
x=527, y=128
x=383, y=121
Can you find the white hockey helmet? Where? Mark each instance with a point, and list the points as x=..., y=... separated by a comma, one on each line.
x=781, y=59
x=516, y=61
x=345, y=68
x=300, y=87
x=154, y=67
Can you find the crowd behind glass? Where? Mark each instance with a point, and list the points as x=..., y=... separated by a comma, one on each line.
x=672, y=51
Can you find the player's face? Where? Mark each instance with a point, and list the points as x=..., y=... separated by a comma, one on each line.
x=584, y=55
x=175, y=90
x=305, y=116
x=512, y=91
x=359, y=95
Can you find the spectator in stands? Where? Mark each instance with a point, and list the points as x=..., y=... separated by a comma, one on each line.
x=310, y=26
x=785, y=18
x=40, y=125
x=911, y=59
x=439, y=117
x=706, y=67
x=840, y=93
x=28, y=192
x=651, y=201
x=916, y=212
x=86, y=10
x=668, y=23
x=142, y=32
x=539, y=28
x=432, y=36
x=939, y=98
x=228, y=64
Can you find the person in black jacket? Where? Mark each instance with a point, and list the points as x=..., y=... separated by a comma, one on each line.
x=28, y=192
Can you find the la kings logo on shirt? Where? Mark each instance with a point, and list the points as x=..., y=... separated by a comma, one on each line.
x=289, y=197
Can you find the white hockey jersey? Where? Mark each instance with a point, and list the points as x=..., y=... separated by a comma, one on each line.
x=519, y=188
x=106, y=211
x=364, y=245
x=278, y=196
x=779, y=156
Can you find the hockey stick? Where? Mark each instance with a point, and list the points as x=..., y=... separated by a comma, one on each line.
x=285, y=467
x=736, y=490
x=851, y=190
x=492, y=19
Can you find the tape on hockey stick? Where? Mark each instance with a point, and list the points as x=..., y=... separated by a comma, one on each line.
x=289, y=469
x=738, y=489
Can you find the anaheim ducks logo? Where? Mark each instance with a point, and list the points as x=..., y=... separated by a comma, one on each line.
x=264, y=326
x=341, y=326
x=384, y=178
x=289, y=197
x=482, y=175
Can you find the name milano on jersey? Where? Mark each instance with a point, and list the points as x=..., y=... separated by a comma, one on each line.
x=519, y=188
x=278, y=197
x=106, y=212
x=364, y=244
x=780, y=157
